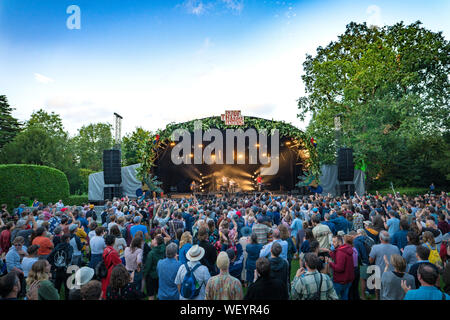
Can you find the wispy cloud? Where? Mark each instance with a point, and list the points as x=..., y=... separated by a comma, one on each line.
x=42, y=79
x=235, y=5
x=196, y=7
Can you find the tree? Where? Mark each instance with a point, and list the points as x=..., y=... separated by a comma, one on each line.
x=9, y=126
x=50, y=122
x=89, y=144
x=133, y=145
x=392, y=88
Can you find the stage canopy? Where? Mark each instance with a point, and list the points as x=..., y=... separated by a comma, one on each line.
x=296, y=154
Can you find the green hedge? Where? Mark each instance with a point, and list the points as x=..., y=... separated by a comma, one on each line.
x=77, y=200
x=22, y=183
x=410, y=192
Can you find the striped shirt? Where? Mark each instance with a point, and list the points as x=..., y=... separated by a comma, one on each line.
x=262, y=231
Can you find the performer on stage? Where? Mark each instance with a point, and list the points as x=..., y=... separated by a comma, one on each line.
x=232, y=186
x=259, y=182
x=193, y=186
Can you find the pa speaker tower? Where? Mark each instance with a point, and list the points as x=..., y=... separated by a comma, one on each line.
x=112, y=167
x=346, y=167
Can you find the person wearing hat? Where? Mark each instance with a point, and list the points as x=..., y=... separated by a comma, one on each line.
x=82, y=277
x=91, y=213
x=223, y=286
x=39, y=286
x=201, y=273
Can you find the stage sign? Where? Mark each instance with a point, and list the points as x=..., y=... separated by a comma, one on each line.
x=233, y=118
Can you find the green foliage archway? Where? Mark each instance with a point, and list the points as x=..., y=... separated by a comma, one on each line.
x=154, y=147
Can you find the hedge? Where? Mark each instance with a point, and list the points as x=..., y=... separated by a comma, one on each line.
x=22, y=183
x=410, y=192
x=77, y=200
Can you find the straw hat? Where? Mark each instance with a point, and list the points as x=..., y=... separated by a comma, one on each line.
x=195, y=253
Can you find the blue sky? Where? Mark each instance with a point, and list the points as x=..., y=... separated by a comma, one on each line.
x=155, y=62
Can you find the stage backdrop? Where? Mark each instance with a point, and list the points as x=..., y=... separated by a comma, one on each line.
x=328, y=181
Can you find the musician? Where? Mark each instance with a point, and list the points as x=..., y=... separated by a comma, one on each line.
x=232, y=185
x=259, y=182
x=193, y=186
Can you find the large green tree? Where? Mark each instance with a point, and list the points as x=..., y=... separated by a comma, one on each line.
x=9, y=126
x=133, y=144
x=89, y=144
x=392, y=89
x=51, y=122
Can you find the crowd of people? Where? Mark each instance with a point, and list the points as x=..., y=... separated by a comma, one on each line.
x=230, y=247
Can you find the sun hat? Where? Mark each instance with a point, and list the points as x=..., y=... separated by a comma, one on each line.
x=84, y=275
x=73, y=227
x=195, y=253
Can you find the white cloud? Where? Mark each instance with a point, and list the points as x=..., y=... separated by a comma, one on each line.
x=42, y=79
x=235, y=5
x=374, y=18
x=196, y=7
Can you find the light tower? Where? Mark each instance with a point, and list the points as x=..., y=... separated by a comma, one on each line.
x=117, y=131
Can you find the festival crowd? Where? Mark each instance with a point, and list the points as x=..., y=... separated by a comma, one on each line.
x=230, y=247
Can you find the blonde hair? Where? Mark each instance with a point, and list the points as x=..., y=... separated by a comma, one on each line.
x=186, y=237
x=37, y=272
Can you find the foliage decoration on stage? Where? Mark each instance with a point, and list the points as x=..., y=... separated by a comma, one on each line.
x=153, y=183
x=157, y=143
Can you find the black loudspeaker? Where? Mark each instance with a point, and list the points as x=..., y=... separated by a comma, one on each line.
x=112, y=192
x=346, y=167
x=112, y=173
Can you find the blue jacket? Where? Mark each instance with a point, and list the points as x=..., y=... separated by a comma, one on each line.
x=330, y=225
x=341, y=224
x=358, y=243
x=399, y=239
x=253, y=251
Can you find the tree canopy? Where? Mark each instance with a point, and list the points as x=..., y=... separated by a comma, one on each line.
x=9, y=126
x=392, y=89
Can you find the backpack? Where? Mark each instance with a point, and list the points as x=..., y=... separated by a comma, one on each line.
x=434, y=256
x=316, y=295
x=368, y=244
x=190, y=287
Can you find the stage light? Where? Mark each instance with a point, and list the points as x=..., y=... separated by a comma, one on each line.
x=263, y=154
x=200, y=145
x=172, y=144
x=240, y=156
x=288, y=143
x=257, y=145
x=191, y=155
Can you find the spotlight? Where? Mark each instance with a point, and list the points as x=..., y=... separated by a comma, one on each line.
x=257, y=145
x=200, y=145
x=288, y=143
x=172, y=144
x=191, y=155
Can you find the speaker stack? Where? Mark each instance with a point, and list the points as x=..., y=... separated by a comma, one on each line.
x=346, y=172
x=112, y=173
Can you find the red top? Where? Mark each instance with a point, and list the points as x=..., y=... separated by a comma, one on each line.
x=343, y=269
x=5, y=241
x=111, y=258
